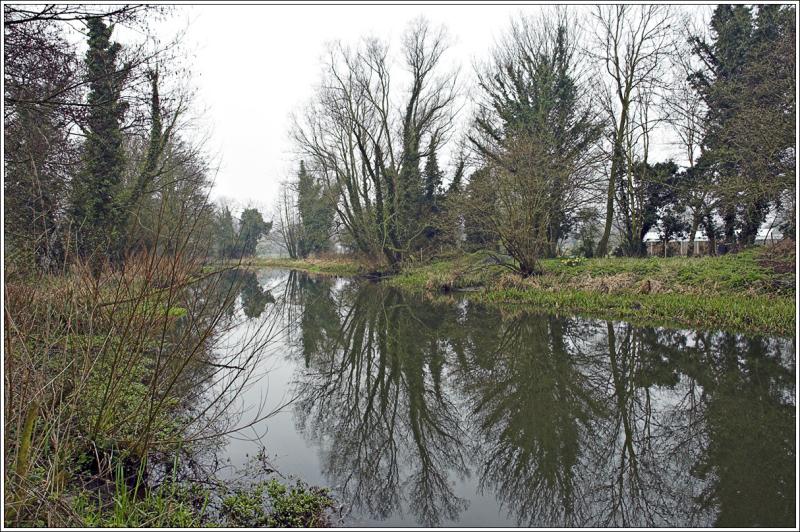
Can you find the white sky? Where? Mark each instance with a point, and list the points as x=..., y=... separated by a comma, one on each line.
x=252, y=66
x=255, y=65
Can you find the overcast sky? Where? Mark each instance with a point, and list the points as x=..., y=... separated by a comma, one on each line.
x=252, y=66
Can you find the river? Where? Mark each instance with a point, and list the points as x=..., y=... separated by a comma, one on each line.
x=445, y=412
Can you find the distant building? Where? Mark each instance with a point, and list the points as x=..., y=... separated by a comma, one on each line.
x=767, y=234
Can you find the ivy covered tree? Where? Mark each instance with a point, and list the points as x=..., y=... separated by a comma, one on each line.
x=433, y=176
x=433, y=200
x=95, y=211
x=316, y=214
x=454, y=188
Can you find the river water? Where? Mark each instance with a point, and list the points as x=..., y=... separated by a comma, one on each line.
x=449, y=413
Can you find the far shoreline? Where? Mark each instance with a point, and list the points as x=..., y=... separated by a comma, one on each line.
x=741, y=292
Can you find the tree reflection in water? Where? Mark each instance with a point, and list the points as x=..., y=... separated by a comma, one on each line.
x=750, y=426
x=372, y=388
x=254, y=297
x=567, y=421
x=529, y=405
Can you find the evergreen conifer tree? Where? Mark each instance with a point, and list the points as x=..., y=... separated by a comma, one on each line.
x=251, y=229
x=226, y=234
x=433, y=175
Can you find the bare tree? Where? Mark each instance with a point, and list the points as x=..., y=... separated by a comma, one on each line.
x=631, y=42
x=367, y=150
x=639, y=189
x=26, y=14
x=287, y=231
x=514, y=204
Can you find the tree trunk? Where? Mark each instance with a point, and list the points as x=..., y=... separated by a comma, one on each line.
x=711, y=233
x=692, y=232
x=616, y=161
x=602, y=245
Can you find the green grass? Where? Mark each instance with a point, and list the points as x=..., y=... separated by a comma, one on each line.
x=176, y=504
x=758, y=314
x=734, y=291
x=171, y=505
x=726, y=273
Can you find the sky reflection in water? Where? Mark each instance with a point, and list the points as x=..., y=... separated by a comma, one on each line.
x=452, y=413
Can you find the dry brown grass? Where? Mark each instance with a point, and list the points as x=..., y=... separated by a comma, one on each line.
x=101, y=365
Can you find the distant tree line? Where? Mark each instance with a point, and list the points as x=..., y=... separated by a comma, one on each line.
x=560, y=146
x=235, y=240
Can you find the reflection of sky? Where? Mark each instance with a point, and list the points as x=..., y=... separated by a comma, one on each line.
x=666, y=448
x=285, y=445
x=293, y=453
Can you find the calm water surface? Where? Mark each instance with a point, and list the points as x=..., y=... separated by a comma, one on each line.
x=454, y=414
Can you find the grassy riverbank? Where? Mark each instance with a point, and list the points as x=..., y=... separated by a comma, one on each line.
x=109, y=385
x=752, y=291
x=749, y=291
